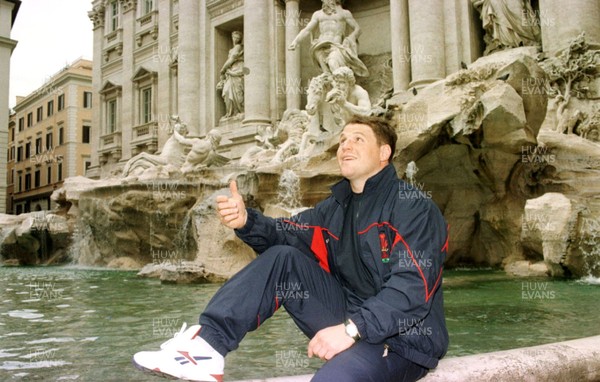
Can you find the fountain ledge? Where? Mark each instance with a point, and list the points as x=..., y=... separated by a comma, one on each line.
x=575, y=360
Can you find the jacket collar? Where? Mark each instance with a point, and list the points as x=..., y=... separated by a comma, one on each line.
x=378, y=182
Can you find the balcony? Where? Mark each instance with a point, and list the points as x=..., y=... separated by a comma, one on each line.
x=148, y=20
x=144, y=138
x=110, y=146
x=113, y=38
x=147, y=25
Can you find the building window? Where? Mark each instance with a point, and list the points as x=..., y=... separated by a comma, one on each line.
x=87, y=100
x=146, y=105
x=87, y=164
x=12, y=135
x=20, y=185
x=50, y=108
x=27, y=182
x=37, y=179
x=49, y=141
x=38, y=145
x=86, y=134
x=21, y=124
x=111, y=116
x=61, y=136
x=40, y=114
x=114, y=16
x=61, y=102
x=147, y=6
x=29, y=119
x=12, y=153
x=19, y=153
x=49, y=175
x=27, y=150
x=59, y=172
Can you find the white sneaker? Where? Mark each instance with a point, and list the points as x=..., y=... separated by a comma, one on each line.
x=185, y=356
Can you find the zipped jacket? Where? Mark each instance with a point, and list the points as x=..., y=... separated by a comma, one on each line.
x=403, y=241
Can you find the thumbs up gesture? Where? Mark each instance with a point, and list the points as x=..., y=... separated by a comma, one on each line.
x=232, y=210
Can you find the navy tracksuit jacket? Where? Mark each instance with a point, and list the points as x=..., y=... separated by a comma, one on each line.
x=403, y=242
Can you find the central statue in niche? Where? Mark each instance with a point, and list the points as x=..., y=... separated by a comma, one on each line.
x=332, y=49
x=333, y=95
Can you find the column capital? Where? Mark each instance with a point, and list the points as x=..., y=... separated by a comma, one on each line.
x=97, y=16
x=128, y=5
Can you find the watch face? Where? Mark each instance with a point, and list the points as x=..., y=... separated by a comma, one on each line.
x=351, y=330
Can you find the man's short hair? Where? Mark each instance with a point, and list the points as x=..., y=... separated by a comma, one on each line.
x=382, y=128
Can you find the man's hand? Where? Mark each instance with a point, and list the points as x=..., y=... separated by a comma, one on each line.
x=232, y=211
x=329, y=342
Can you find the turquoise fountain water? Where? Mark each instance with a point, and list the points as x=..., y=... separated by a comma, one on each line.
x=62, y=323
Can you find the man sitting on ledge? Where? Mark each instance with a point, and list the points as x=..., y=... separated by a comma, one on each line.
x=367, y=263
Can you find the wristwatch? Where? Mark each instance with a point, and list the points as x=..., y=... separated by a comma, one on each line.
x=352, y=330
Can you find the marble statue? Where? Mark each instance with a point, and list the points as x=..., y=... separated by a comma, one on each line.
x=231, y=84
x=204, y=153
x=332, y=99
x=275, y=146
x=347, y=98
x=173, y=152
x=508, y=24
x=333, y=49
x=293, y=124
x=179, y=153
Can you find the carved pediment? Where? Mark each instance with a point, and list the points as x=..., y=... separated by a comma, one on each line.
x=143, y=74
x=109, y=88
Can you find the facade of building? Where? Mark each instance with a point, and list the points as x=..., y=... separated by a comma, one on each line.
x=8, y=13
x=157, y=58
x=49, y=137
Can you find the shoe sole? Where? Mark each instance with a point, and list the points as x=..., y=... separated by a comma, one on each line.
x=164, y=375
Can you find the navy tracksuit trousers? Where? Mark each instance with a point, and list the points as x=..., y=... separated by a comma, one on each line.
x=283, y=275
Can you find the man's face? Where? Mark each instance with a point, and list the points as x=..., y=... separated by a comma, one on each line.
x=359, y=155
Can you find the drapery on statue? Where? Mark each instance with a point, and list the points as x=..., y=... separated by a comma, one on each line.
x=332, y=49
x=508, y=24
x=231, y=84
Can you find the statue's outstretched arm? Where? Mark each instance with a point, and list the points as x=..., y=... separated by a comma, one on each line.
x=304, y=33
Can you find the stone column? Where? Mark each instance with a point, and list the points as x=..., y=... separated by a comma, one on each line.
x=428, y=62
x=293, y=78
x=97, y=17
x=560, y=25
x=400, y=44
x=189, y=85
x=257, y=58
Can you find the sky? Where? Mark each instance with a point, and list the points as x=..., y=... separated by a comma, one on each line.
x=50, y=35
